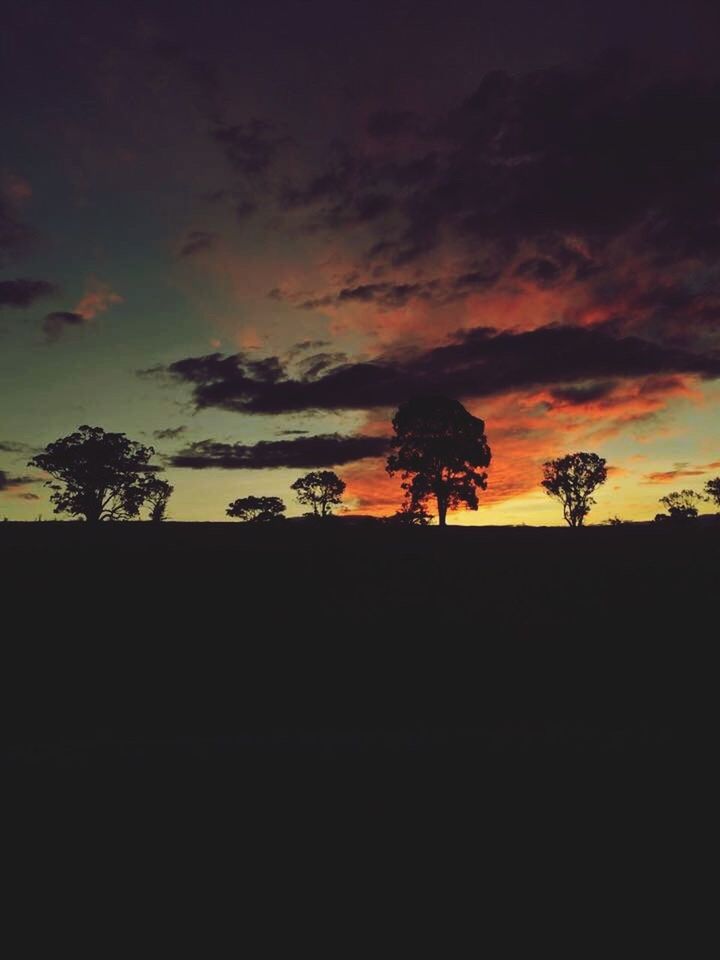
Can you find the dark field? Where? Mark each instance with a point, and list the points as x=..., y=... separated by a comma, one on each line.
x=131, y=633
x=279, y=666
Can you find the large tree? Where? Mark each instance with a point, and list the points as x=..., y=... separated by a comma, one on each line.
x=256, y=509
x=320, y=489
x=573, y=479
x=97, y=475
x=440, y=451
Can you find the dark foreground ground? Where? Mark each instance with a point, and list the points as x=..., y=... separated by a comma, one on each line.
x=294, y=671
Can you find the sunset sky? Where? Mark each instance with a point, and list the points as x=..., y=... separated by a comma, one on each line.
x=245, y=233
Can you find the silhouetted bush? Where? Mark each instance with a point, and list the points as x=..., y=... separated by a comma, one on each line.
x=256, y=509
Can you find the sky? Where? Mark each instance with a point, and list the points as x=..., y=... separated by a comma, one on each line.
x=245, y=233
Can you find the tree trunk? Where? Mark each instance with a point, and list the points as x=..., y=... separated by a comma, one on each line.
x=442, y=510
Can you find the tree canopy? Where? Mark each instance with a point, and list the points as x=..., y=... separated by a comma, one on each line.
x=321, y=490
x=712, y=490
x=573, y=479
x=256, y=509
x=157, y=495
x=97, y=475
x=440, y=450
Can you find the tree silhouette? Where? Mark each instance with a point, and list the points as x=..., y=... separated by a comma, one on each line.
x=411, y=515
x=712, y=490
x=319, y=489
x=682, y=504
x=440, y=447
x=97, y=475
x=256, y=509
x=157, y=494
x=573, y=479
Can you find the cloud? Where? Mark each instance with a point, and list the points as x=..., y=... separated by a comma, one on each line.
x=680, y=471
x=385, y=124
x=55, y=323
x=12, y=484
x=14, y=446
x=573, y=180
x=324, y=450
x=24, y=292
x=390, y=296
x=169, y=433
x=250, y=148
x=476, y=363
x=198, y=241
x=98, y=298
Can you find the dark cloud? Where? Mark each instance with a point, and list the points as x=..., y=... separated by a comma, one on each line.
x=310, y=345
x=55, y=324
x=548, y=170
x=250, y=147
x=245, y=209
x=169, y=433
x=544, y=272
x=325, y=450
x=388, y=123
x=391, y=296
x=8, y=482
x=311, y=367
x=23, y=292
x=479, y=362
x=14, y=446
x=584, y=393
x=198, y=241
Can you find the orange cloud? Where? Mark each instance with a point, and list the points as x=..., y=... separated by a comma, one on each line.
x=97, y=299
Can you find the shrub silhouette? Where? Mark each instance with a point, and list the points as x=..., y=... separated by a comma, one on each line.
x=411, y=515
x=682, y=504
x=256, y=509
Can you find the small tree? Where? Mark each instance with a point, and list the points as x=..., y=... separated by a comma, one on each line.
x=682, y=504
x=440, y=448
x=573, y=479
x=712, y=490
x=96, y=475
x=256, y=509
x=320, y=490
x=157, y=494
